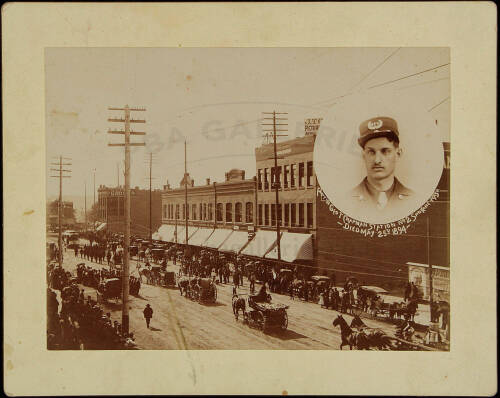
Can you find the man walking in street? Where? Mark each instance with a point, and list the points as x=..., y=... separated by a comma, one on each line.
x=148, y=314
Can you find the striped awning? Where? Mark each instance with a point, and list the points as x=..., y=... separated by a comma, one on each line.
x=164, y=232
x=181, y=236
x=262, y=242
x=293, y=246
x=217, y=238
x=200, y=236
x=235, y=242
x=101, y=227
x=180, y=233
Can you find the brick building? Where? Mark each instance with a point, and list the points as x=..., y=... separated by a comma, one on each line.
x=68, y=214
x=111, y=205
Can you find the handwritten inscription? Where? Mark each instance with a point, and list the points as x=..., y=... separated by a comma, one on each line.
x=399, y=227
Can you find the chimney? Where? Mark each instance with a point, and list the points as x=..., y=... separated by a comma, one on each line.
x=192, y=182
x=208, y=181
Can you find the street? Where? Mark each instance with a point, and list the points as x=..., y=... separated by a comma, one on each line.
x=179, y=323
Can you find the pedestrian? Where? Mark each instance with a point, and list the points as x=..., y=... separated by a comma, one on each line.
x=148, y=314
x=252, y=282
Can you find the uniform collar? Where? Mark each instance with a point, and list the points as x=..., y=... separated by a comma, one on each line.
x=374, y=192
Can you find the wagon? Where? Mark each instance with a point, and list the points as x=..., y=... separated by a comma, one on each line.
x=109, y=289
x=268, y=316
x=169, y=279
x=320, y=283
x=157, y=255
x=206, y=291
x=134, y=250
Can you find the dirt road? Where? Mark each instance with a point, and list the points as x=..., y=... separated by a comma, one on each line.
x=179, y=323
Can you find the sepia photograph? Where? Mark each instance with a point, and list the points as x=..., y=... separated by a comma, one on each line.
x=189, y=200
x=249, y=198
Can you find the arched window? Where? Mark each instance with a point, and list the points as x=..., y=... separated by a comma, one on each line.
x=229, y=212
x=238, y=212
x=249, y=212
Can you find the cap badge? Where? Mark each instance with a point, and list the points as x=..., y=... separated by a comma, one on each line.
x=375, y=124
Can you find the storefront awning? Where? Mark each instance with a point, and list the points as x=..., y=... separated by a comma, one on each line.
x=180, y=233
x=262, y=242
x=164, y=232
x=199, y=238
x=235, y=242
x=181, y=236
x=217, y=238
x=101, y=227
x=294, y=246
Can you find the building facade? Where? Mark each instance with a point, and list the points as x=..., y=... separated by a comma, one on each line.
x=68, y=214
x=229, y=204
x=111, y=209
x=296, y=183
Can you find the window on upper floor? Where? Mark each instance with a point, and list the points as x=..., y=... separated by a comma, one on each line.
x=249, y=212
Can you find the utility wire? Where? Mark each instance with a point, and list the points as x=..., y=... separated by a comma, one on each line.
x=349, y=92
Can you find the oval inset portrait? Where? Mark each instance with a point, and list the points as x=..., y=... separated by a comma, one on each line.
x=378, y=159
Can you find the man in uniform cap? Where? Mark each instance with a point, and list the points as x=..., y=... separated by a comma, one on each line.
x=380, y=190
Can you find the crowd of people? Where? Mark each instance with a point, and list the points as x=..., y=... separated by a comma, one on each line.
x=75, y=322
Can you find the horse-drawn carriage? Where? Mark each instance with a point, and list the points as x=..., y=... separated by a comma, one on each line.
x=261, y=314
x=321, y=283
x=285, y=279
x=134, y=250
x=206, y=290
x=109, y=289
x=169, y=279
x=157, y=254
x=202, y=290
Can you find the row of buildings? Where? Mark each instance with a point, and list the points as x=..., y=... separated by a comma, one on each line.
x=243, y=213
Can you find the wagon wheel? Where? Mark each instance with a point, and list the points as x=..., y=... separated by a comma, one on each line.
x=259, y=319
x=265, y=324
x=284, y=323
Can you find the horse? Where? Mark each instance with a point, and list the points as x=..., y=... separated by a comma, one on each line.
x=183, y=284
x=146, y=272
x=439, y=308
x=238, y=303
x=411, y=310
x=376, y=306
x=349, y=336
x=375, y=337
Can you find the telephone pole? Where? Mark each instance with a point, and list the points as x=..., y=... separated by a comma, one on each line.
x=276, y=173
x=85, y=206
x=60, y=207
x=126, y=246
x=431, y=298
x=186, y=212
x=94, y=187
x=150, y=164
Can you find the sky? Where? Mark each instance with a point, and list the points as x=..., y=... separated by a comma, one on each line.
x=213, y=98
